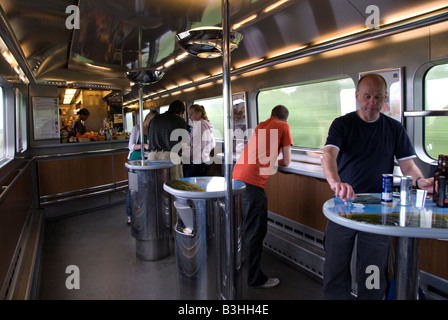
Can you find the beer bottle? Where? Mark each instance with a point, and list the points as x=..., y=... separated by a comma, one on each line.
x=440, y=168
x=442, y=198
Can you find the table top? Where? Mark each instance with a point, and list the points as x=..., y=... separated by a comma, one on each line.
x=149, y=165
x=205, y=187
x=368, y=214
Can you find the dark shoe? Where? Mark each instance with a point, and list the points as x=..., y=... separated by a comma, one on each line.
x=270, y=283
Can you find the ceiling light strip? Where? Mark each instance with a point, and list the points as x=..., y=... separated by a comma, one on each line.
x=275, y=5
x=419, y=21
x=239, y=24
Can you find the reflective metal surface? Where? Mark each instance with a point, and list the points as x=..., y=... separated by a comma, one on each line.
x=206, y=42
x=200, y=250
x=106, y=43
x=150, y=210
x=208, y=267
x=413, y=222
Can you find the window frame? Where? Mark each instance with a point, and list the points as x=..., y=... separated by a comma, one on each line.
x=21, y=121
x=415, y=116
x=9, y=122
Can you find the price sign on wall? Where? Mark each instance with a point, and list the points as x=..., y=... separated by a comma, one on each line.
x=45, y=118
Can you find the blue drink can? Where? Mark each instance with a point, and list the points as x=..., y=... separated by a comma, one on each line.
x=387, y=188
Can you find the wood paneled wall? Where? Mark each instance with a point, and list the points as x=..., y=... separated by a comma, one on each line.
x=72, y=174
x=433, y=257
x=13, y=213
x=299, y=198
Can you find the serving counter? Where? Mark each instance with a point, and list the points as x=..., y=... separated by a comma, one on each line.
x=78, y=171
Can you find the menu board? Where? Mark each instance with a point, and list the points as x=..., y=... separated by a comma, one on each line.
x=45, y=118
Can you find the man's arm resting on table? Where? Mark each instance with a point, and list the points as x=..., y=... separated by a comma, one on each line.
x=409, y=168
x=330, y=168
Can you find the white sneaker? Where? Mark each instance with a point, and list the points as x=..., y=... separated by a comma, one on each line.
x=270, y=283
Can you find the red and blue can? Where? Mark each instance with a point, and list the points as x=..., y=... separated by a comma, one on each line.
x=387, y=188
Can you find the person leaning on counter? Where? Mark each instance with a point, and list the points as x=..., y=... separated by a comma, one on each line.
x=159, y=136
x=360, y=147
x=255, y=165
x=79, y=124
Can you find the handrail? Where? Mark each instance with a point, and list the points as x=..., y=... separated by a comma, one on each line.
x=7, y=189
x=80, y=153
x=426, y=113
x=45, y=200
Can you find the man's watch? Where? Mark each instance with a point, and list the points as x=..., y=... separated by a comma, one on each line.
x=416, y=182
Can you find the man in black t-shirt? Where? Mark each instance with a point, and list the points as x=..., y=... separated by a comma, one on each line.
x=360, y=147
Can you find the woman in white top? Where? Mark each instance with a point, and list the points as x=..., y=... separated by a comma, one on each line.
x=202, y=143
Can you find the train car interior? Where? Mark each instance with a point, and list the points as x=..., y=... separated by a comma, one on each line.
x=62, y=202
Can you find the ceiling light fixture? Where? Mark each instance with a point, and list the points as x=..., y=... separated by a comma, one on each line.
x=239, y=24
x=206, y=42
x=68, y=96
x=144, y=76
x=275, y=5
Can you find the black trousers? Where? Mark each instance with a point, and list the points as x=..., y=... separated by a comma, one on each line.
x=372, y=250
x=254, y=205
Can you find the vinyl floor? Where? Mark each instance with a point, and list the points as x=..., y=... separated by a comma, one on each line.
x=100, y=245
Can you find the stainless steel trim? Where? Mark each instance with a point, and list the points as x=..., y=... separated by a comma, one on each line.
x=80, y=153
x=7, y=189
x=426, y=113
x=234, y=287
x=68, y=193
x=8, y=36
x=423, y=20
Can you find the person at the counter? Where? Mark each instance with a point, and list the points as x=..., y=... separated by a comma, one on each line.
x=202, y=143
x=135, y=147
x=254, y=167
x=79, y=123
x=159, y=136
x=360, y=147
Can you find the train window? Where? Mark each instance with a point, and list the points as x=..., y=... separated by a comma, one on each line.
x=129, y=117
x=163, y=109
x=312, y=108
x=215, y=114
x=129, y=121
x=436, y=98
x=21, y=140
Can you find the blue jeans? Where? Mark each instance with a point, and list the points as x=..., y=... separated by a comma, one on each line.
x=372, y=249
x=254, y=205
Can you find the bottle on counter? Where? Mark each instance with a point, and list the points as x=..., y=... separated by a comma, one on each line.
x=440, y=183
x=442, y=198
x=441, y=167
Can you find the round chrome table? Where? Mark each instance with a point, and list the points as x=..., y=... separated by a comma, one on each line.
x=407, y=223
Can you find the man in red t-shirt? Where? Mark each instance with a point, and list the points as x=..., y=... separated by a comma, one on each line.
x=254, y=166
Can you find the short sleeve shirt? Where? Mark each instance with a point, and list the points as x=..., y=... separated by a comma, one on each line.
x=161, y=128
x=259, y=157
x=368, y=149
